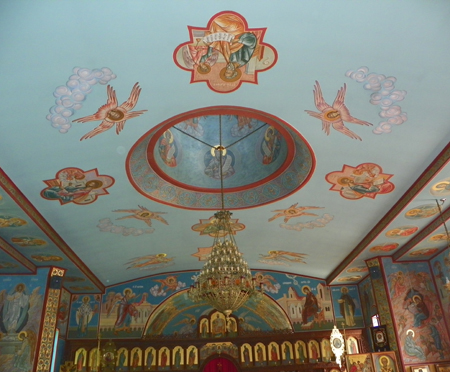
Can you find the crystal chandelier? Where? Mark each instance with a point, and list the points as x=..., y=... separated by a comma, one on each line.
x=225, y=282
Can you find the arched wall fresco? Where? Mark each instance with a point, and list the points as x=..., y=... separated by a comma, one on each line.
x=21, y=303
x=149, y=307
x=420, y=322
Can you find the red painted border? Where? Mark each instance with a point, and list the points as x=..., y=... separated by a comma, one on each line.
x=227, y=110
x=191, y=40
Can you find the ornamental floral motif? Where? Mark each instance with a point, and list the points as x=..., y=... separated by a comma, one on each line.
x=365, y=180
x=225, y=53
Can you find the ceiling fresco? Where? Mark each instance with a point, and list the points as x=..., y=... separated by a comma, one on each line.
x=334, y=134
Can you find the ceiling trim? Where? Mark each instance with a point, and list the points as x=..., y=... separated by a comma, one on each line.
x=21, y=200
x=432, y=226
x=428, y=174
x=6, y=247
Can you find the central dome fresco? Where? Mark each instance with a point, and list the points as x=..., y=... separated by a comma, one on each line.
x=177, y=162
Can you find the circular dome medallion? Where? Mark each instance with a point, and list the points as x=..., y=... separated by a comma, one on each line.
x=263, y=159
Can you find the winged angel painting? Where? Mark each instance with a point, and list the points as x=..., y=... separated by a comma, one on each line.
x=112, y=114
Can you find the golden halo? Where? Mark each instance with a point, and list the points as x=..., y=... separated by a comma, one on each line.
x=305, y=287
x=384, y=358
x=168, y=135
x=127, y=290
x=410, y=330
x=234, y=78
x=95, y=184
x=270, y=130
x=115, y=115
x=344, y=181
x=441, y=188
x=416, y=297
x=206, y=70
x=22, y=335
x=215, y=148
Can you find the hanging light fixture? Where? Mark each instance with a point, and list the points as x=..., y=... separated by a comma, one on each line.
x=225, y=282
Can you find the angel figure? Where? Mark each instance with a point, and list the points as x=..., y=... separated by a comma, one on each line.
x=112, y=114
x=279, y=257
x=150, y=260
x=142, y=214
x=265, y=281
x=170, y=282
x=188, y=324
x=334, y=116
x=293, y=211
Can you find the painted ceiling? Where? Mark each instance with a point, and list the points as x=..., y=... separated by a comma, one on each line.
x=331, y=116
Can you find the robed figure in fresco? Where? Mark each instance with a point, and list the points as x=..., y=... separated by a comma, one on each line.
x=227, y=35
x=347, y=307
x=84, y=316
x=14, y=314
x=311, y=306
x=23, y=359
x=126, y=310
x=218, y=326
x=415, y=304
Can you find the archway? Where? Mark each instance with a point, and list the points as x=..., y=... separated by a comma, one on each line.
x=220, y=364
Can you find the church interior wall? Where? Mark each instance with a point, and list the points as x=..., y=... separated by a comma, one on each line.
x=181, y=332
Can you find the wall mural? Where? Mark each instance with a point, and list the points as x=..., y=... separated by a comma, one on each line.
x=420, y=325
x=179, y=316
x=63, y=313
x=151, y=306
x=21, y=301
x=347, y=306
x=368, y=304
x=226, y=53
x=364, y=180
x=84, y=313
x=73, y=185
x=440, y=267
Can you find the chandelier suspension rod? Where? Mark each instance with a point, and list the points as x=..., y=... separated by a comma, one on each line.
x=221, y=163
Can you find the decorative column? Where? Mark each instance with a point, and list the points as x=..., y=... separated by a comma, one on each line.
x=47, y=339
x=382, y=299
